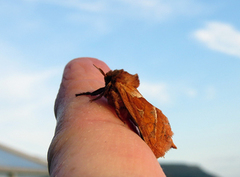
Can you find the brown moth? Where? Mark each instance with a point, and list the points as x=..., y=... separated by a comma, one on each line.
x=121, y=92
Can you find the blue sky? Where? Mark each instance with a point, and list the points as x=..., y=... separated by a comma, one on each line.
x=186, y=52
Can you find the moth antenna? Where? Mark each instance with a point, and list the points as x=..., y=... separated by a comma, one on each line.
x=100, y=70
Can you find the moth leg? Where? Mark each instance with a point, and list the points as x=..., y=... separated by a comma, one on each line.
x=99, y=96
x=102, y=91
x=94, y=93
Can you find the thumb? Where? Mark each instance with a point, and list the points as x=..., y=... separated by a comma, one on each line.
x=90, y=140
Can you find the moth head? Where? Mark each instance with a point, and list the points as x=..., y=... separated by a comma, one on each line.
x=123, y=77
x=110, y=76
x=120, y=76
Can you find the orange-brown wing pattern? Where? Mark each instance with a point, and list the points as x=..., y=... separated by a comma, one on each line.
x=152, y=123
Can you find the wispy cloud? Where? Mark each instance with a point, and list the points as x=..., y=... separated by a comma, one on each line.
x=141, y=9
x=27, y=109
x=90, y=6
x=221, y=37
x=210, y=93
x=93, y=16
x=161, y=10
x=26, y=99
x=157, y=92
x=164, y=93
x=190, y=92
x=145, y=9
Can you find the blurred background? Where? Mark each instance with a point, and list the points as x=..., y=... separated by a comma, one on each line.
x=186, y=52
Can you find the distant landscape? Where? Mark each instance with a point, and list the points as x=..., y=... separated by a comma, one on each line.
x=182, y=170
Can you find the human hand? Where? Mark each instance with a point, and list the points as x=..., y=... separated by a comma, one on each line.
x=90, y=140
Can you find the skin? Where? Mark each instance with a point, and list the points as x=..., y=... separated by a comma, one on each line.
x=90, y=140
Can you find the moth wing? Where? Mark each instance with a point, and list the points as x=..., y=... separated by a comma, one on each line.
x=152, y=123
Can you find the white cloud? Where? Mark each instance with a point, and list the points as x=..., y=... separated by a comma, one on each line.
x=159, y=10
x=220, y=37
x=190, y=92
x=26, y=114
x=165, y=93
x=27, y=118
x=157, y=92
x=26, y=98
x=24, y=85
x=95, y=15
x=210, y=93
x=83, y=5
x=86, y=5
x=95, y=22
x=146, y=9
x=141, y=9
